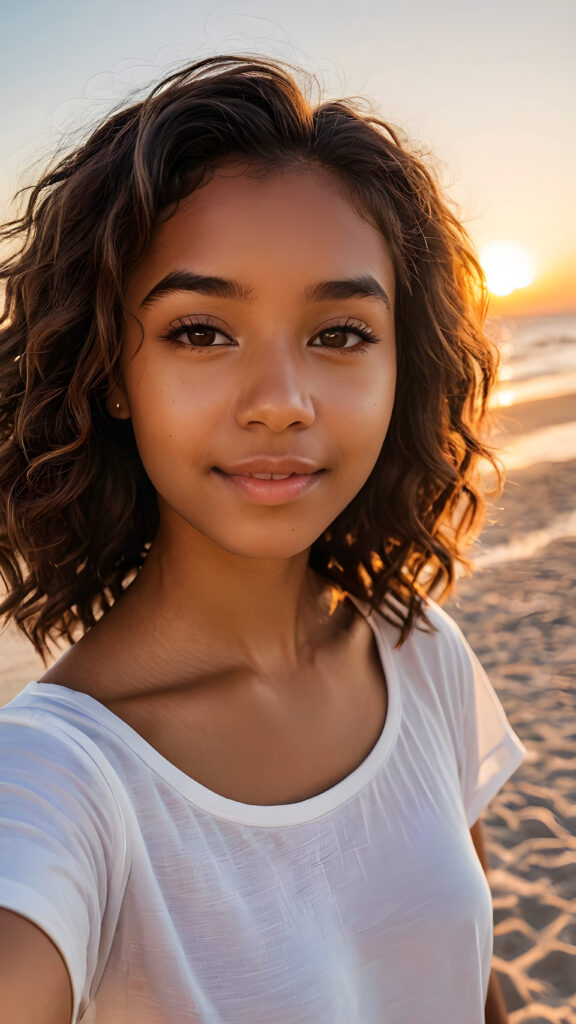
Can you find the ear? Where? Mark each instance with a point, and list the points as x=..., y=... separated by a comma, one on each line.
x=117, y=402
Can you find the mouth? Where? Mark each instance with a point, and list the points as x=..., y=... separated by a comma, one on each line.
x=263, y=489
x=265, y=476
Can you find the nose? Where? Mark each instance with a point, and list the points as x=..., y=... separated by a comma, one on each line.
x=276, y=391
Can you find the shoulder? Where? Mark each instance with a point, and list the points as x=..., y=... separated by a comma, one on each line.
x=47, y=750
x=434, y=637
x=64, y=852
x=435, y=666
x=446, y=650
x=446, y=633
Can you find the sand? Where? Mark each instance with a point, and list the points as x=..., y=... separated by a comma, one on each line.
x=519, y=613
x=520, y=617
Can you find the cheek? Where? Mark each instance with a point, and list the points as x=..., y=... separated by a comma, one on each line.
x=363, y=413
x=162, y=397
x=163, y=409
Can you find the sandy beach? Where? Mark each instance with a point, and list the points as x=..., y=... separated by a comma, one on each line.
x=519, y=613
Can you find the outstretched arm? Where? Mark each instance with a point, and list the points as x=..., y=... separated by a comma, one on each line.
x=34, y=981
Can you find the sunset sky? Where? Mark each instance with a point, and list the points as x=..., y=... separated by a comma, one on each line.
x=490, y=88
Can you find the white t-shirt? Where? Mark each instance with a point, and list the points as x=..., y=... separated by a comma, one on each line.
x=171, y=904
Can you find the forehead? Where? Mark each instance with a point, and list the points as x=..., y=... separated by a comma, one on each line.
x=289, y=221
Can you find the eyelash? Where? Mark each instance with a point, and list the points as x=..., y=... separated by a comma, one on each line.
x=185, y=325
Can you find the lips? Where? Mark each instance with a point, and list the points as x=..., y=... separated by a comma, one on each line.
x=271, y=492
x=270, y=476
x=286, y=465
x=266, y=476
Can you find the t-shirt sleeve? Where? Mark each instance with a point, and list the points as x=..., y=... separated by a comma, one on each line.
x=490, y=749
x=62, y=845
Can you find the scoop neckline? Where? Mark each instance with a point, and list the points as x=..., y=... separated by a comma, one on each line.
x=265, y=815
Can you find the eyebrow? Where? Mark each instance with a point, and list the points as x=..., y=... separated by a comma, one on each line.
x=363, y=287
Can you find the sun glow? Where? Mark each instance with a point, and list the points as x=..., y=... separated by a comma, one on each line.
x=507, y=267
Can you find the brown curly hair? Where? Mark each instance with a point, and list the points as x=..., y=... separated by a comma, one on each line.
x=77, y=510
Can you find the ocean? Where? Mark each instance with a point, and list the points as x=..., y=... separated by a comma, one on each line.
x=538, y=365
x=538, y=362
x=538, y=356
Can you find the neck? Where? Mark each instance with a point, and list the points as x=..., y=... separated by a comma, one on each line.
x=263, y=615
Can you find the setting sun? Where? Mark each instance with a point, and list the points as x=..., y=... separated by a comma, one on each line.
x=507, y=267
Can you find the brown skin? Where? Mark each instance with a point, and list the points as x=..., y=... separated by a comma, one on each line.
x=225, y=574
x=35, y=986
x=226, y=590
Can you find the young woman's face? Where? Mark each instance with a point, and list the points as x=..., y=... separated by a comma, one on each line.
x=261, y=360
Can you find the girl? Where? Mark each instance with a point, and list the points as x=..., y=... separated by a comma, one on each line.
x=243, y=381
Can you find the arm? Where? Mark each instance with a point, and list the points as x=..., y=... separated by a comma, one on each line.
x=495, y=1011
x=35, y=986
x=63, y=865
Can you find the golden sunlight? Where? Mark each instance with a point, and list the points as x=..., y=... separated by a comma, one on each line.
x=507, y=267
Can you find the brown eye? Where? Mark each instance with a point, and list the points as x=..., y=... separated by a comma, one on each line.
x=340, y=334
x=200, y=335
x=195, y=335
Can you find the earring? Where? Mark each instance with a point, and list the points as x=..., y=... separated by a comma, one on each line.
x=117, y=405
